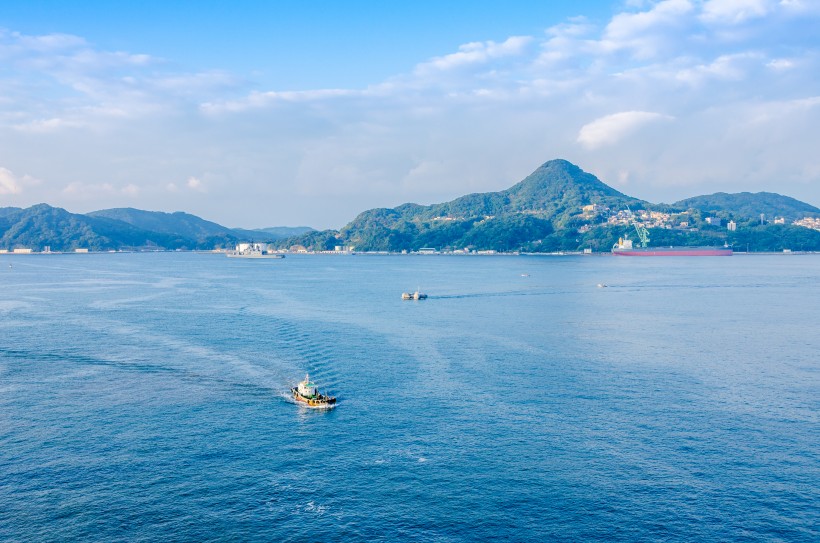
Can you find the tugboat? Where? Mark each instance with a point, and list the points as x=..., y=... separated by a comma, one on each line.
x=307, y=393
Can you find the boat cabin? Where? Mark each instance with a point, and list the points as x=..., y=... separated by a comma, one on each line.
x=308, y=389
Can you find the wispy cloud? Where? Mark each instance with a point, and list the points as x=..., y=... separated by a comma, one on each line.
x=88, y=190
x=736, y=11
x=131, y=190
x=194, y=183
x=633, y=97
x=477, y=53
x=613, y=128
x=9, y=183
x=647, y=33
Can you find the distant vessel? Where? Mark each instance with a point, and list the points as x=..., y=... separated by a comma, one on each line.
x=307, y=393
x=253, y=250
x=624, y=247
x=413, y=295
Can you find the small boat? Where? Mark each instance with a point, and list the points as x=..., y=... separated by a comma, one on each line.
x=307, y=393
x=253, y=250
x=602, y=285
x=413, y=296
x=525, y=275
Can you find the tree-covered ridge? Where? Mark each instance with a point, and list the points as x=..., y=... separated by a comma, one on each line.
x=751, y=205
x=518, y=218
x=550, y=210
x=42, y=226
x=556, y=190
x=190, y=226
x=558, y=207
x=178, y=223
x=278, y=232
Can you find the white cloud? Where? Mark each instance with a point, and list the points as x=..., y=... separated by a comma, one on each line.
x=476, y=118
x=476, y=53
x=780, y=64
x=625, y=26
x=44, y=126
x=87, y=190
x=645, y=32
x=12, y=184
x=800, y=7
x=62, y=82
x=9, y=183
x=728, y=67
x=735, y=11
x=774, y=112
x=257, y=100
x=613, y=128
x=48, y=42
x=194, y=183
x=131, y=190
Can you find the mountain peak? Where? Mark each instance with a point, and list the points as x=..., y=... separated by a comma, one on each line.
x=558, y=180
x=559, y=163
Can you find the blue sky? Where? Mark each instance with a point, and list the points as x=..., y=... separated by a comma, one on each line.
x=291, y=44
x=269, y=113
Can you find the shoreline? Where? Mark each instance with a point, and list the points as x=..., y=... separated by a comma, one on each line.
x=381, y=253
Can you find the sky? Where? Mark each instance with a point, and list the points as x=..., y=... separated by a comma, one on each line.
x=255, y=114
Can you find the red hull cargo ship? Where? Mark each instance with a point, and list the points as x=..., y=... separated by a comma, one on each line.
x=624, y=248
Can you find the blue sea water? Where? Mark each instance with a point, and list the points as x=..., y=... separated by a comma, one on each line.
x=143, y=397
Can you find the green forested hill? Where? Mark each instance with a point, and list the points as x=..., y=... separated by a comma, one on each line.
x=178, y=223
x=542, y=213
x=43, y=226
x=519, y=218
x=193, y=227
x=751, y=205
x=280, y=232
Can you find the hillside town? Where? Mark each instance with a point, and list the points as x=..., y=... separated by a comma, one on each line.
x=681, y=220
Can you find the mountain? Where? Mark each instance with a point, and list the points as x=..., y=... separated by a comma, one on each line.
x=282, y=232
x=751, y=205
x=525, y=216
x=42, y=225
x=191, y=226
x=556, y=191
x=272, y=233
x=178, y=223
x=544, y=212
x=5, y=211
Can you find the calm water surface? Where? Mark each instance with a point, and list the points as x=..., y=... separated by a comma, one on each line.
x=143, y=397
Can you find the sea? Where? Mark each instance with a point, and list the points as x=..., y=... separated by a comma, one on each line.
x=145, y=397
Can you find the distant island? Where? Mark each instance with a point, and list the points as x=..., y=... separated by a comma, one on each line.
x=558, y=207
x=45, y=228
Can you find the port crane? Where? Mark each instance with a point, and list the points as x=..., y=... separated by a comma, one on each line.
x=643, y=233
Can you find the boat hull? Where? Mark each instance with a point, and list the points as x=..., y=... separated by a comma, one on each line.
x=323, y=403
x=673, y=251
x=232, y=255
